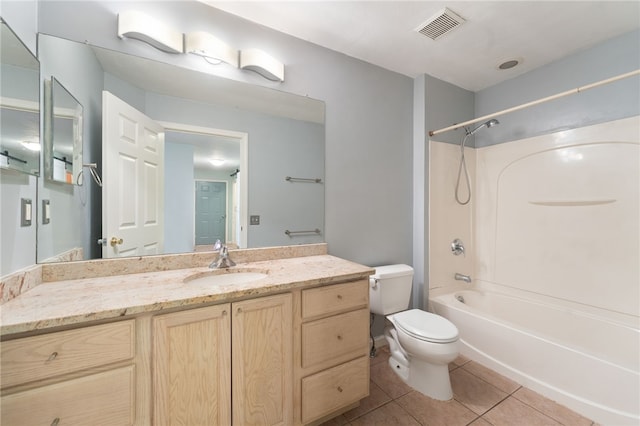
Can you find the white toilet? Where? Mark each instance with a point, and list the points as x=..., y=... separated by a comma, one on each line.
x=421, y=344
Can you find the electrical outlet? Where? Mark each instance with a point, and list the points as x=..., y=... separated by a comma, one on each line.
x=254, y=220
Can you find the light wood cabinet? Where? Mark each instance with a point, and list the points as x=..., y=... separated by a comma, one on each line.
x=232, y=358
x=262, y=361
x=334, y=388
x=292, y=358
x=81, y=376
x=105, y=398
x=332, y=331
x=191, y=367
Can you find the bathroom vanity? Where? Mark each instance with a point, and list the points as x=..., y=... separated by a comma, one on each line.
x=158, y=347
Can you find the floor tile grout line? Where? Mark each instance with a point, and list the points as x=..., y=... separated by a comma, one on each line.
x=542, y=412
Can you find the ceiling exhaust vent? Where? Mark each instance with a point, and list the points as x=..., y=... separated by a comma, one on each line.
x=440, y=24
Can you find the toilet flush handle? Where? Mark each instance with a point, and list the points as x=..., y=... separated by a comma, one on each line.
x=373, y=282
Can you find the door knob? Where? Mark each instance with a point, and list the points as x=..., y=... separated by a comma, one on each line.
x=115, y=241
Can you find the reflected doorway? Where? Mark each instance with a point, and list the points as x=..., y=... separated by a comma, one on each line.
x=211, y=212
x=206, y=156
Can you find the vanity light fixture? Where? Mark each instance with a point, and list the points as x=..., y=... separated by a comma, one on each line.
x=217, y=161
x=212, y=49
x=262, y=63
x=139, y=26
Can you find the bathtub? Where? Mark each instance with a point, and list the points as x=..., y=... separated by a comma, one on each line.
x=585, y=362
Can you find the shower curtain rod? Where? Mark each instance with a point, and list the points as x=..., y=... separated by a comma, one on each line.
x=539, y=101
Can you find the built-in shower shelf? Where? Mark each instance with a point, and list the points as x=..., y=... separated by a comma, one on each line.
x=572, y=203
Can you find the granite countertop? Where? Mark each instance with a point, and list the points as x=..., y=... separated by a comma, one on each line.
x=76, y=301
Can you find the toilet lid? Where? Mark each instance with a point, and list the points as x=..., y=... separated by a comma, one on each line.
x=426, y=326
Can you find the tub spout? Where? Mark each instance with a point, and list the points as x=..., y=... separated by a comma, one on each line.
x=462, y=277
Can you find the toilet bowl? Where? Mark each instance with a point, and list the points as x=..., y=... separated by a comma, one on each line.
x=421, y=355
x=421, y=344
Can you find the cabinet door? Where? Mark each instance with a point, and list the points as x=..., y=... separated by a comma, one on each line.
x=263, y=361
x=192, y=361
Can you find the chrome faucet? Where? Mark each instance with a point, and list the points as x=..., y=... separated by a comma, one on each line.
x=223, y=260
x=462, y=277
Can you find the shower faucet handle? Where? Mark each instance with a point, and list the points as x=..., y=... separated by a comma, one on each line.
x=457, y=247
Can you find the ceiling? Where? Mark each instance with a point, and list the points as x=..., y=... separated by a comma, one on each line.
x=384, y=32
x=208, y=147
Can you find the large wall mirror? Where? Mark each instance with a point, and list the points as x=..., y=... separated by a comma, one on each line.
x=19, y=151
x=19, y=105
x=207, y=121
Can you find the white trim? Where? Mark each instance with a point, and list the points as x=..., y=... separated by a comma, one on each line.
x=19, y=104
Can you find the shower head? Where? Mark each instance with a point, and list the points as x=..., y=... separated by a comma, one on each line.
x=489, y=123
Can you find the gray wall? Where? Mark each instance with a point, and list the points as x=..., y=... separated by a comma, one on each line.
x=613, y=101
x=74, y=207
x=179, y=198
x=22, y=17
x=368, y=117
x=17, y=247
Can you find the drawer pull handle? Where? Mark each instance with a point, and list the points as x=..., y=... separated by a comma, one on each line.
x=340, y=297
x=55, y=421
x=239, y=310
x=53, y=356
x=224, y=312
x=339, y=389
x=339, y=337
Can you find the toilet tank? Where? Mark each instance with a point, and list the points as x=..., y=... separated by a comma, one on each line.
x=390, y=289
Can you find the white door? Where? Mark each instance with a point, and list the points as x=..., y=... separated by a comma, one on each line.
x=133, y=181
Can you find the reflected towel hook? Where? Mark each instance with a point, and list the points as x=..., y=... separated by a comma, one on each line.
x=93, y=169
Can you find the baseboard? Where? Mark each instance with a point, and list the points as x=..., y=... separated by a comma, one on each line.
x=380, y=341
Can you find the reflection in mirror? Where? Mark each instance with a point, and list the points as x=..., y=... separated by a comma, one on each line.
x=213, y=211
x=19, y=122
x=62, y=134
x=19, y=105
x=284, y=134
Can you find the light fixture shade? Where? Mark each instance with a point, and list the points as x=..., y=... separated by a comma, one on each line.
x=204, y=44
x=262, y=63
x=137, y=25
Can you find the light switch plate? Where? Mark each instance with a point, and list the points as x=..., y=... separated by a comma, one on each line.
x=46, y=212
x=254, y=220
x=25, y=212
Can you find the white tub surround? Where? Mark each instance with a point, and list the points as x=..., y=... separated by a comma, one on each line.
x=554, y=301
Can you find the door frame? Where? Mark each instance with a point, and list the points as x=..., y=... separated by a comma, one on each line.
x=243, y=140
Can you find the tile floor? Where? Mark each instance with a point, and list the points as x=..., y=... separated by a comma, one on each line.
x=481, y=398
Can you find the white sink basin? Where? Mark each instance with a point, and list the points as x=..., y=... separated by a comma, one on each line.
x=225, y=277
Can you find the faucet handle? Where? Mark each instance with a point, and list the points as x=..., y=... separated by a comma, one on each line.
x=457, y=247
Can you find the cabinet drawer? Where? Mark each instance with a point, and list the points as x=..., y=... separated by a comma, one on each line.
x=106, y=399
x=330, y=338
x=335, y=298
x=40, y=357
x=332, y=389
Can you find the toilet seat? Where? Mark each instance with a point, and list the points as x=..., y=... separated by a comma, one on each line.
x=426, y=326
